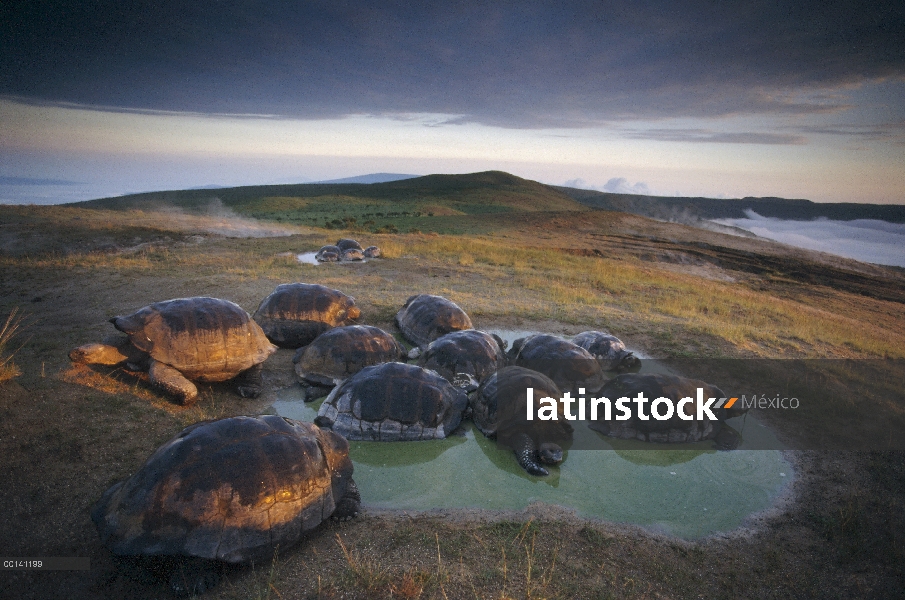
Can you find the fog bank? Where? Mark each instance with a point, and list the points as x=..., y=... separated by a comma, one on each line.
x=867, y=240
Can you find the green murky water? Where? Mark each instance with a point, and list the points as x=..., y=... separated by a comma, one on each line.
x=687, y=490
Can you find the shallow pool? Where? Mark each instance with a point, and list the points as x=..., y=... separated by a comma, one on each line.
x=307, y=258
x=688, y=491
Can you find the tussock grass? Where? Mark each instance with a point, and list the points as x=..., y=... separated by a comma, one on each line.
x=11, y=328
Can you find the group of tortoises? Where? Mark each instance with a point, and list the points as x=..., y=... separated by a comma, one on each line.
x=346, y=249
x=232, y=490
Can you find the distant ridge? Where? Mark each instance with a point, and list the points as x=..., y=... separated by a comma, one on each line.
x=472, y=194
x=440, y=195
x=372, y=178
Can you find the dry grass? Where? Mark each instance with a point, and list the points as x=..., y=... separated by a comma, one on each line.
x=68, y=436
x=568, y=287
x=10, y=329
x=543, y=284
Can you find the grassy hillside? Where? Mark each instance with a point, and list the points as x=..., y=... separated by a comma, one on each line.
x=422, y=203
x=68, y=432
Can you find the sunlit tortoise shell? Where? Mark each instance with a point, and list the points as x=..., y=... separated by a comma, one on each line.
x=206, y=339
x=426, y=317
x=296, y=313
x=231, y=490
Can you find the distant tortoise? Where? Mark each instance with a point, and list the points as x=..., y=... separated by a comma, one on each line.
x=341, y=352
x=570, y=366
x=353, y=254
x=499, y=411
x=425, y=317
x=372, y=252
x=184, y=340
x=296, y=313
x=470, y=352
x=348, y=244
x=674, y=429
x=225, y=492
x=393, y=402
x=329, y=254
x=609, y=351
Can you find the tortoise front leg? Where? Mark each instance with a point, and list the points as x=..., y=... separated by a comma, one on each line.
x=172, y=382
x=526, y=455
x=349, y=505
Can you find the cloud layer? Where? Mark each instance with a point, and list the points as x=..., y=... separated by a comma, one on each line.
x=521, y=65
x=866, y=240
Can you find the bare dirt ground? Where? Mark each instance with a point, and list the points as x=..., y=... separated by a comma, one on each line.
x=69, y=432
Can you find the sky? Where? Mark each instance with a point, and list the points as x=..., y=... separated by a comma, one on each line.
x=719, y=99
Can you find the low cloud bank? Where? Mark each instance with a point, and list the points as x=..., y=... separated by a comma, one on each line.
x=867, y=240
x=616, y=185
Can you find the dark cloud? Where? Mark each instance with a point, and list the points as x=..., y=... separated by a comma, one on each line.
x=525, y=64
x=35, y=181
x=882, y=131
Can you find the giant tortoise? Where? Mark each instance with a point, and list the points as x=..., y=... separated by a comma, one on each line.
x=425, y=317
x=226, y=491
x=187, y=339
x=341, y=352
x=673, y=429
x=328, y=254
x=296, y=313
x=468, y=352
x=570, y=366
x=609, y=351
x=393, y=402
x=499, y=410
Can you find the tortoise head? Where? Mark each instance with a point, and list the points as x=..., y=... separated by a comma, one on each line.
x=500, y=342
x=628, y=362
x=550, y=454
x=97, y=354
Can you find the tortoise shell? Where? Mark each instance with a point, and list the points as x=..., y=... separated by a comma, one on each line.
x=231, y=490
x=609, y=350
x=372, y=252
x=296, y=313
x=499, y=408
x=425, y=317
x=393, y=402
x=328, y=254
x=206, y=339
x=348, y=244
x=343, y=351
x=569, y=365
x=655, y=386
x=470, y=351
